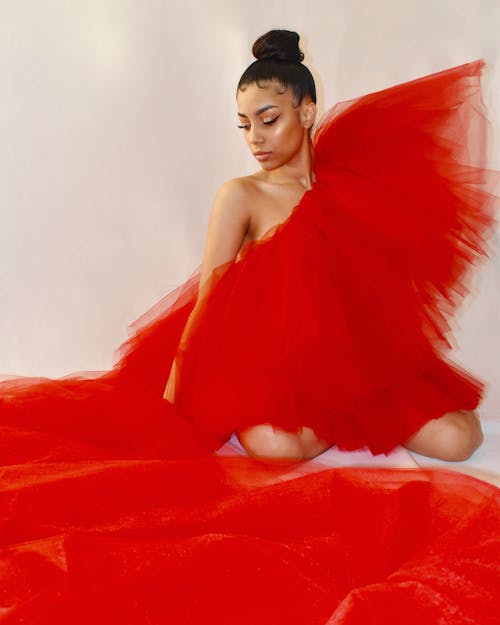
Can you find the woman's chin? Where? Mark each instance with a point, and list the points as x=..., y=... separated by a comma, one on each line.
x=268, y=166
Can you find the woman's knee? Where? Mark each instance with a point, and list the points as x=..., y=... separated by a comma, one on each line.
x=453, y=437
x=468, y=433
x=266, y=442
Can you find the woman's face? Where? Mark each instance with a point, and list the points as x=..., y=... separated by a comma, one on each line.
x=274, y=129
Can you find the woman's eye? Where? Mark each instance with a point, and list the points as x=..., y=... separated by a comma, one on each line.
x=264, y=123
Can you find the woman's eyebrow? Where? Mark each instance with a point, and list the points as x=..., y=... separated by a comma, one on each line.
x=261, y=110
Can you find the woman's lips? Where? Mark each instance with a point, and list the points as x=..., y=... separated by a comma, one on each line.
x=262, y=156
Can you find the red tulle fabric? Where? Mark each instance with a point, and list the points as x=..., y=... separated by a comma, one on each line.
x=338, y=318
x=114, y=508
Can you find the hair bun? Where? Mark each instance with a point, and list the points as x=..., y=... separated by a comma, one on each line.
x=278, y=45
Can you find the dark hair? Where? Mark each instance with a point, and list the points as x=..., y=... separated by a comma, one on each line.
x=280, y=58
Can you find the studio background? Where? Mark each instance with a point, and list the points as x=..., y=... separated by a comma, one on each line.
x=118, y=124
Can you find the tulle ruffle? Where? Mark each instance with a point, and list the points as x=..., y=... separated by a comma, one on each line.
x=338, y=318
x=114, y=508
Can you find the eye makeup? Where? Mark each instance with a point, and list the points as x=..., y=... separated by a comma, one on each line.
x=265, y=123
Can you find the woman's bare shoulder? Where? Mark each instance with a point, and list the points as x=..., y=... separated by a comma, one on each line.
x=240, y=188
x=232, y=206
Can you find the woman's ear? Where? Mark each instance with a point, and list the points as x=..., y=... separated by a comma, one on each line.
x=308, y=114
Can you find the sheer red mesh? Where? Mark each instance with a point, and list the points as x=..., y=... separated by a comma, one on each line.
x=114, y=508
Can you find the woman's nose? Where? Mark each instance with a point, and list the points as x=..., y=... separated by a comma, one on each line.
x=254, y=135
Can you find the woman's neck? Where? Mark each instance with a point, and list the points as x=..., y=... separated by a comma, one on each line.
x=299, y=171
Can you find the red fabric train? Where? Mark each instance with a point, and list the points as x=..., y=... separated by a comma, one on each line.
x=114, y=508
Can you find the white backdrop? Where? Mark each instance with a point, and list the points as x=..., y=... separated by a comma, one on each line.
x=118, y=123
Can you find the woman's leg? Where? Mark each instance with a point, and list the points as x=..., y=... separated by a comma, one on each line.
x=454, y=437
x=271, y=443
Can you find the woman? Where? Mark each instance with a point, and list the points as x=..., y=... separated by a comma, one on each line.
x=276, y=102
x=114, y=508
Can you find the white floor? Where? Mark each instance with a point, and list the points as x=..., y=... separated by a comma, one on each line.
x=484, y=464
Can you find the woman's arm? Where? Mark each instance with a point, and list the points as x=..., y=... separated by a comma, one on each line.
x=228, y=224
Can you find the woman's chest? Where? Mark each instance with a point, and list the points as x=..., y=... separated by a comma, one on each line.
x=269, y=210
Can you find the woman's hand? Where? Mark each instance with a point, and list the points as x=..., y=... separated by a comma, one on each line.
x=169, y=393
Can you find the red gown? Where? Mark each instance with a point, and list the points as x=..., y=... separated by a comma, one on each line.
x=114, y=508
x=338, y=318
